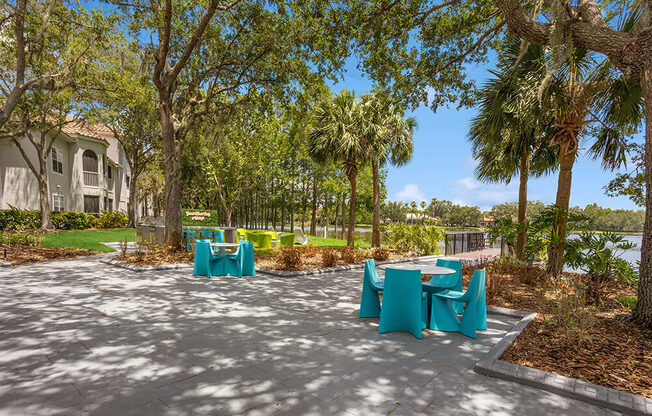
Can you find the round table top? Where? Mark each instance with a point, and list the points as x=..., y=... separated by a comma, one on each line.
x=227, y=245
x=425, y=268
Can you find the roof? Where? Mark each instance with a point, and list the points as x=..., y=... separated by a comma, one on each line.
x=84, y=128
x=116, y=164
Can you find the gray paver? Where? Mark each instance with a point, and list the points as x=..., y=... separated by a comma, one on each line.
x=80, y=337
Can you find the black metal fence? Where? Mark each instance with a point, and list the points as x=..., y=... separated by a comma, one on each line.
x=463, y=242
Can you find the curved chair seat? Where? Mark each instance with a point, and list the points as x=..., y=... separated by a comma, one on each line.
x=443, y=316
x=450, y=294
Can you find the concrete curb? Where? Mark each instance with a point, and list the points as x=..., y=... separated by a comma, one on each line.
x=5, y=264
x=134, y=268
x=296, y=273
x=492, y=366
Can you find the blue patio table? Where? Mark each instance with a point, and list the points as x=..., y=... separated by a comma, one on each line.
x=442, y=277
x=223, y=246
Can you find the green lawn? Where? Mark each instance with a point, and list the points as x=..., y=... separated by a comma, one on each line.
x=88, y=239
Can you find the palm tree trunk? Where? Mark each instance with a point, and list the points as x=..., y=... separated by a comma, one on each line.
x=343, y=214
x=643, y=312
x=375, y=233
x=350, y=231
x=313, y=215
x=522, y=204
x=556, y=250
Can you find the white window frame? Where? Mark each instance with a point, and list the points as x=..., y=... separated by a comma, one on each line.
x=55, y=198
x=59, y=159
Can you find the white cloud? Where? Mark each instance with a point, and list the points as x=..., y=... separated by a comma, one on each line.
x=468, y=191
x=409, y=193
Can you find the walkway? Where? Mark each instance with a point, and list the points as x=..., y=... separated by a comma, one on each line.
x=82, y=338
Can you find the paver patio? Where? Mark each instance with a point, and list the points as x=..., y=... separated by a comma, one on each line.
x=82, y=337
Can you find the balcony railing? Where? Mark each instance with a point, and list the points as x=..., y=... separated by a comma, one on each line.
x=91, y=179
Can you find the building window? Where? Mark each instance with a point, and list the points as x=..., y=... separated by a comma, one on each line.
x=127, y=181
x=110, y=204
x=57, y=160
x=89, y=164
x=109, y=172
x=91, y=204
x=57, y=202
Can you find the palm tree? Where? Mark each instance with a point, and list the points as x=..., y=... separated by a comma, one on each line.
x=389, y=135
x=337, y=135
x=584, y=97
x=508, y=134
x=587, y=97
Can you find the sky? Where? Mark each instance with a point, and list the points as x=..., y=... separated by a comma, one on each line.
x=442, y=166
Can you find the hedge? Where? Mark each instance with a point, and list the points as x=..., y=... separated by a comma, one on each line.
x=199, y=217
x=21, y=219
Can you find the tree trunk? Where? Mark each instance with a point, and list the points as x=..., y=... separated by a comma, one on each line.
x=375, y=233
x=172, y=150
x=46, y=221
x=522, y=204
x=313, y=215
x=132, y=201
x=351, y=230
x=325, y=214
x=343, y=214
x=337, y=215
x=305, y=207
x=643, y=312
x=566, y=160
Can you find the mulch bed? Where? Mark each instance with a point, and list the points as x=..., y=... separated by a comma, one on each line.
x=21, y=254
x=598, y=344
x=155, y=258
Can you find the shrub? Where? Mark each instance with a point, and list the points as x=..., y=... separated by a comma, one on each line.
x=310, y=250
x=350, y=255
x=380, y=254
x=71, y=220
x=27, y=239
x=328, y=257
x=628, y=303
x=19, y=219
x=421, y=239
x=288, y=258
x=111, y=219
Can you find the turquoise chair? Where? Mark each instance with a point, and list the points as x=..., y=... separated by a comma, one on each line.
x=457, y=266
x=203, y=258
x=287, y=240
x=231, y=264
x=206, y=234
x=248, y=265
x=189, y=236
x=218, y=236
x=443, y=316
x=371, y=288
x=405, y=305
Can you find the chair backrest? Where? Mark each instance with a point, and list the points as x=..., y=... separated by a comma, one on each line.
x=203, y=249
x=455, y=265
x=371, y=275
x=300, y=236
x=206, y=234
x=402, y=287
x=478, y=281
x=218, y=236
x=287, y=240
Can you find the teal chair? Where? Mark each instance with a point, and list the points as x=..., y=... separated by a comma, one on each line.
x=371, y=288
x=206, y=235
x=218, y=236
x=248, y=265
x=443, y=316
x=203, y=258
x=405, y=305
x=189, y=236
x=231, y=264
x=457, y=266
x=287, y=240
